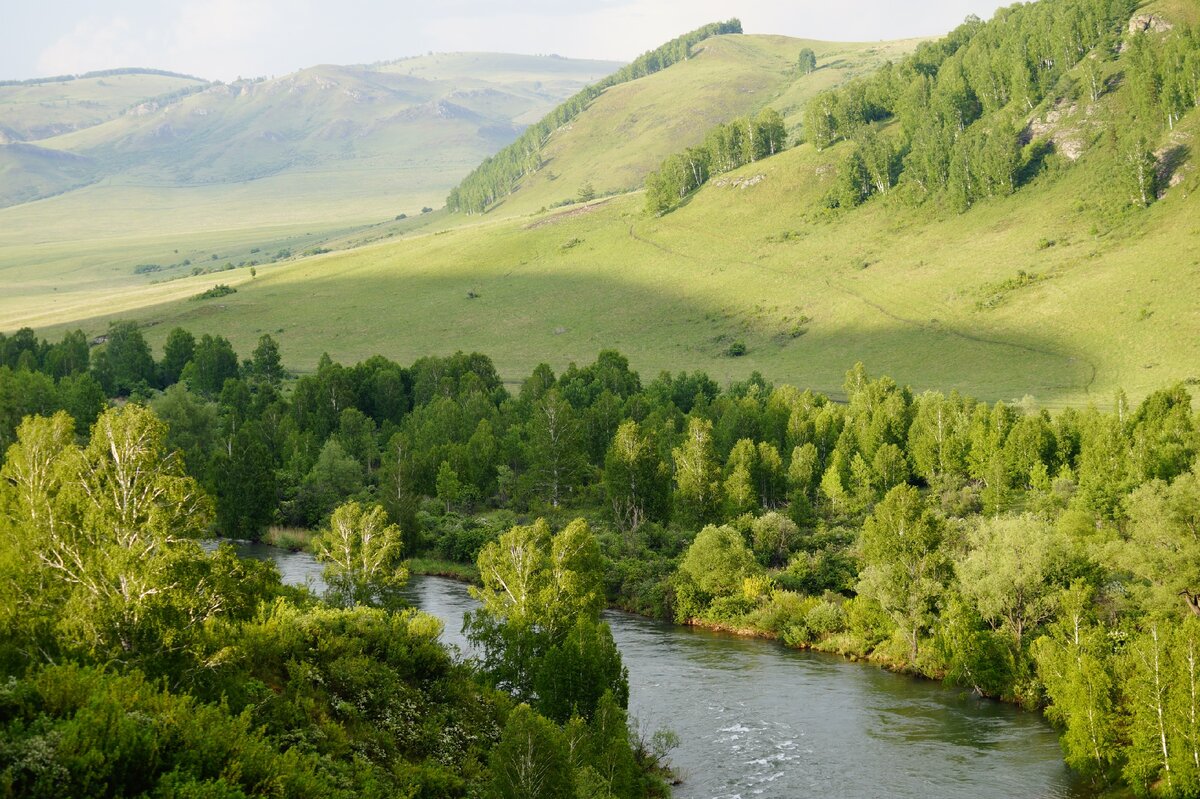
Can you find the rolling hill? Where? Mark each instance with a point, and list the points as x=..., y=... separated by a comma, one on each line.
x=46, y=107
x=1059, y=293
x=629, y=129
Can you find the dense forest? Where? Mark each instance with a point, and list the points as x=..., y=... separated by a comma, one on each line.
x=500, y=174
x=135, y=660
x=948, y=124
x=960, y=105
x=1050, y=560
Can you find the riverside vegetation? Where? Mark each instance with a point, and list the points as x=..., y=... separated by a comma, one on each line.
x=136, y=662
x=1044, y=559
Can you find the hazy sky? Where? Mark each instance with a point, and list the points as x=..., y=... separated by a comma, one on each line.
x=222, y=39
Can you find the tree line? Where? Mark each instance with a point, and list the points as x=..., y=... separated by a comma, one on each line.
x=500, y=174
x=726, y=147
x=1046, y=559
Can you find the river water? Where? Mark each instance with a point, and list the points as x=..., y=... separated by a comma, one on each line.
x=757, y=719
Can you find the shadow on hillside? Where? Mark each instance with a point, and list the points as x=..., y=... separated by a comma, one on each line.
x=560, y=318
x=1169, y=163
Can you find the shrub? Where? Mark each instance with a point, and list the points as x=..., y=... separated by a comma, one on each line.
x=825, y=618
x=786, y=609
x=219, y=290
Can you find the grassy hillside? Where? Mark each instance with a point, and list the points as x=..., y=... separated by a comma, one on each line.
x=629, y=129
x=921, y=298
x=1062, y=291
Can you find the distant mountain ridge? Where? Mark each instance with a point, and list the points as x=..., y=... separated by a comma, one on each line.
x=170, y=129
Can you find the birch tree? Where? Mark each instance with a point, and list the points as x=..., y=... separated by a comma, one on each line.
x=363, y=556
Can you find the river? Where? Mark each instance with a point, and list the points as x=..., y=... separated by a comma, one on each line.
x=757, y=719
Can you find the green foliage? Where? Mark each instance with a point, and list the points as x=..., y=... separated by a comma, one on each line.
x=574, y=675
x=266, y=364
x=905, y=563
x=243, y=478
x=217, y=291
x=363, y=557
x=1012, y=571
x=883, y=498
x=636, y=481
x=536, y=588
x=726, y=147
x=954, y=100
x=807, y=61
x=718, y=561
x=177, y=353
x=532, y=760
x=125, y=362
x=84, y=731
x=1162, y=550
x=555, y=448
x=449, y=489
x=1074, y=663
x=696, y=474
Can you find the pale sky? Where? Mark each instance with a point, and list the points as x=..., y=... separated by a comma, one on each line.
x=224, y=39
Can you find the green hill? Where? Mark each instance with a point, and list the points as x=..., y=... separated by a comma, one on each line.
x=629, y=129
x=1062, y=289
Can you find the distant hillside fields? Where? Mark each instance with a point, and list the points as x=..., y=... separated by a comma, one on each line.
x=113, y=182
x=1070, y=275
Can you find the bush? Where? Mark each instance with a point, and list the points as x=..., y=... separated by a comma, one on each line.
x=786, y=609
x=828, y=569
x=825, y=618
x=867, y=621
x=736, y=350
x=219, y=290
x=729, y=609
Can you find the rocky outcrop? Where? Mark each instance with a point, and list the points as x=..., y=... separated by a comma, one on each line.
x=1148, y=23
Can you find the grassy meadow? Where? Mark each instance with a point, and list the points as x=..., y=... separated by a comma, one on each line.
x=913, y=294
x=232, y=175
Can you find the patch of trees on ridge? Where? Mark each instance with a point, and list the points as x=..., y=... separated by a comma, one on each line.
x=725, y=148
x=500, y=174
x=960, y=103
x=959, y=106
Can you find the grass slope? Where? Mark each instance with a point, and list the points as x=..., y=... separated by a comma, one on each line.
x=39, y=110
x=632, y=127
x=1056, y=292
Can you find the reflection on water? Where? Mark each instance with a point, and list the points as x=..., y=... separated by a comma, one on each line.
x=759, y=720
